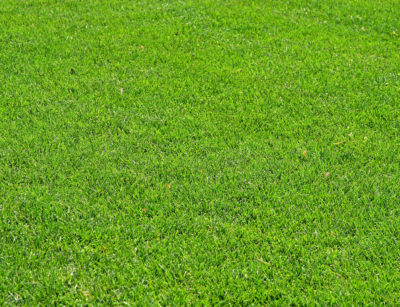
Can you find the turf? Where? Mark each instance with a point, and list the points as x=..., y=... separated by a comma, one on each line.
x=202, y=152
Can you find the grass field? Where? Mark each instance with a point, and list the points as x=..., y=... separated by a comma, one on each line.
x=202, y=152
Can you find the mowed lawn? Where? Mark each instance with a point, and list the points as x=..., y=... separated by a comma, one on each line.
x=202, y=152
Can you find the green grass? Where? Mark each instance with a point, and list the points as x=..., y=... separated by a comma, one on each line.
x=204, y=181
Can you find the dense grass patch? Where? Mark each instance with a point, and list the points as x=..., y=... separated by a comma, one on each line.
x=214, y=152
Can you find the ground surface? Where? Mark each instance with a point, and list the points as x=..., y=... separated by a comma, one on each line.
x=232, y=152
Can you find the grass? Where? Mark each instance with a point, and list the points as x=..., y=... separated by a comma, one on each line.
x=199, y=152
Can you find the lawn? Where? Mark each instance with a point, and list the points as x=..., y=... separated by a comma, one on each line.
x=199, y=152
